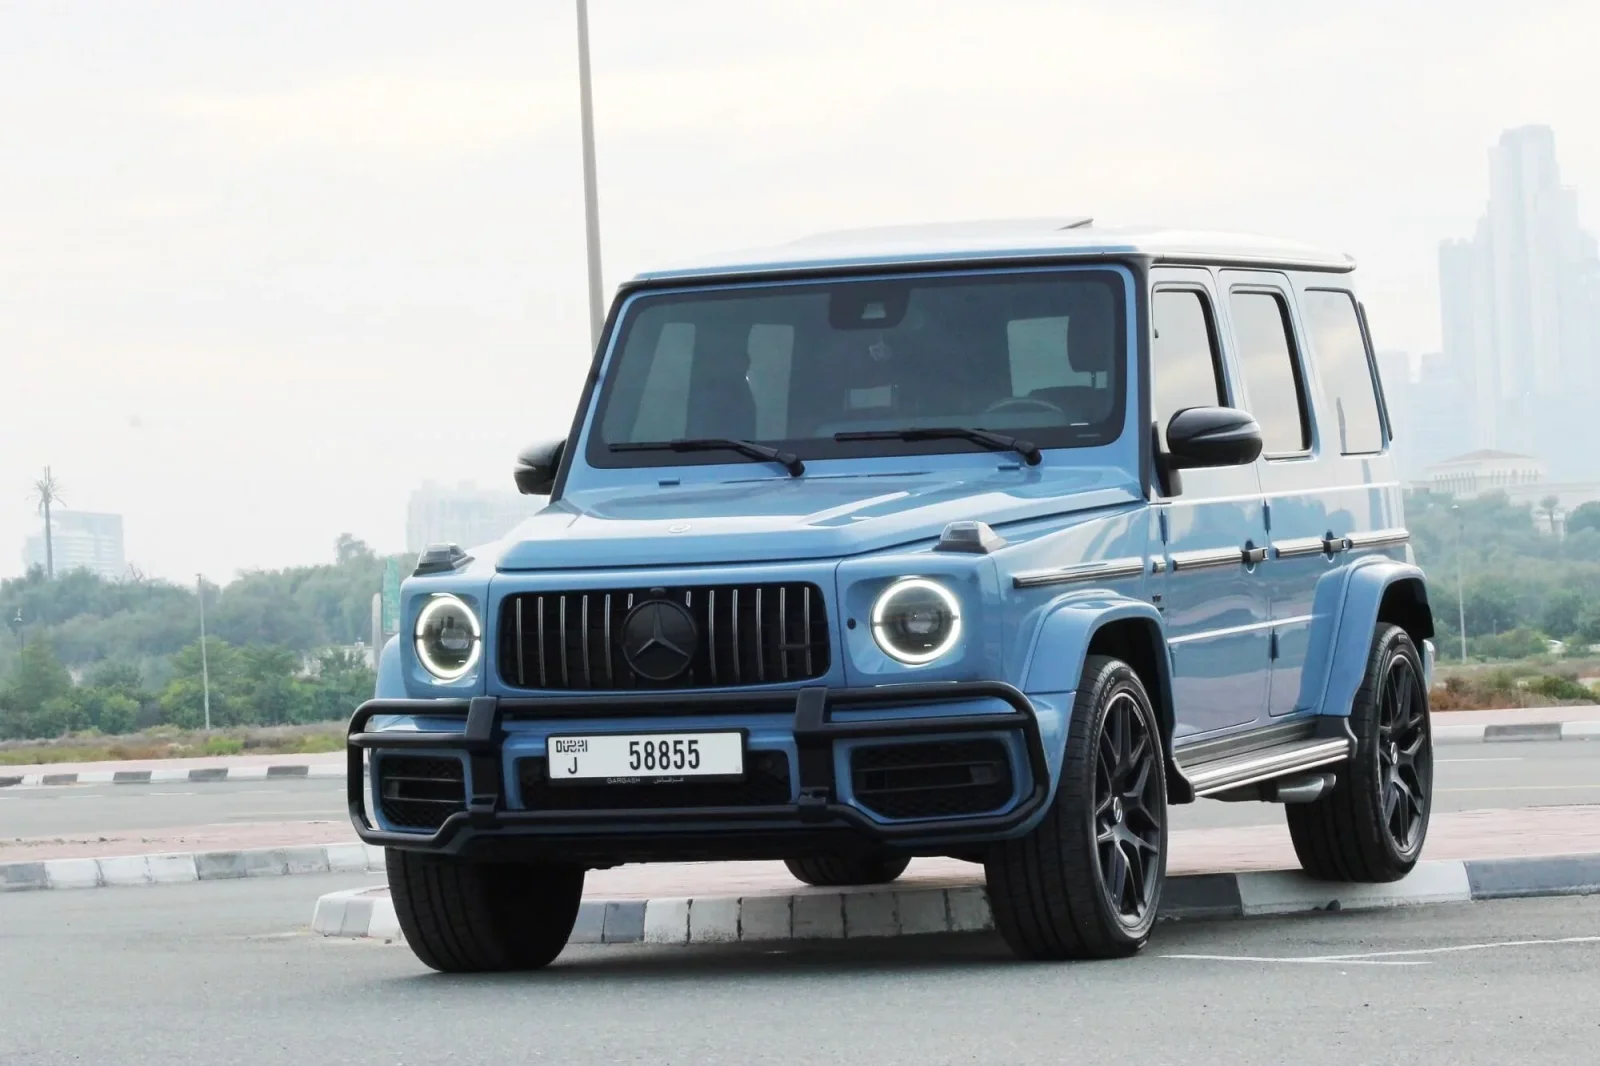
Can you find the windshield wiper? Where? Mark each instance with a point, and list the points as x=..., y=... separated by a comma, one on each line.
x=749, y=449
x=995, y=442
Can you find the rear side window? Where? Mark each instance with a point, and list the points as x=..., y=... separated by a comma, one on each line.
x=1271, y=372
x=1184, y=369
x=1345, y=369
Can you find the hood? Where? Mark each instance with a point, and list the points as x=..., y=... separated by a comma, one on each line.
x=776, y=519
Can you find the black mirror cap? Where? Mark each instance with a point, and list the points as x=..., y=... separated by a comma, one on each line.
x=536, y=467
x=1212, y=436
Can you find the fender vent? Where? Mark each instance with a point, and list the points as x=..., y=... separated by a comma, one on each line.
x=932, y=779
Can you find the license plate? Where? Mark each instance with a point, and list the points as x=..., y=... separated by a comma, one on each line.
x=626, y=759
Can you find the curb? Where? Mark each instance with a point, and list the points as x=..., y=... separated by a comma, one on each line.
x=916, y=910
x=1445, y=733
x=167, y=777
x=180, y=867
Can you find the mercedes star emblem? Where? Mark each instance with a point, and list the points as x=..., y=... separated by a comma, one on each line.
x=659, y=639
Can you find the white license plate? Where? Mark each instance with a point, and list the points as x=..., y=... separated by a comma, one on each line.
x=626, y=758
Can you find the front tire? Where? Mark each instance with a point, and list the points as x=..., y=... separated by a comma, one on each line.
x=473, y=917
x=1371, y=827
x=833, y=871
x=1086, y=882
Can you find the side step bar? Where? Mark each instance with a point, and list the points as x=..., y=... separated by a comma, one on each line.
x=1234, y=762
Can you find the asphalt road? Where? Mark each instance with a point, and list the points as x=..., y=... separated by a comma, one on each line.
x=226, y=973
x=1469, y=777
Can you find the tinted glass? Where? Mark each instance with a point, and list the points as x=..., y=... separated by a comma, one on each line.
x=1271, y=372
x=1345, y=371
x=1183, y=357
x=1033, y=354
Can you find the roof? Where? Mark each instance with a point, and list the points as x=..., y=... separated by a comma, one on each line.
x=1005, y=240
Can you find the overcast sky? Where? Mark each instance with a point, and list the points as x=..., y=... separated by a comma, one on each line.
x=267, y=266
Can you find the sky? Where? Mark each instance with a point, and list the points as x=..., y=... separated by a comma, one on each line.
x=266, y=266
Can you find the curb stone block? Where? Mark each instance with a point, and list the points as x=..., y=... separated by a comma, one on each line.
x=1201, y=896
x=125, y=870
x=590, y=926
x=871, y=914
x=375, y=859
x=288, y=771
x=1523, y=731
x=1566, y=875
x=20, y=875
x=220, y=865
x=346, y=858
x=131, y=777
x=818, y=916
x=268, y=862
x=210, y=773
x=172, y=869
x=922, y=911
x=624, y=922
x=385, y=923
x=307, y=860
x=72, y=873
x=969, y=910
x=714, y=920
x=766, y=917
x=1282, y=892
x=1580, y=731
x=666, y=921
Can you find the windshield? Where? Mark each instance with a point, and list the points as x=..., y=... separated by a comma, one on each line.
x=1026, y=353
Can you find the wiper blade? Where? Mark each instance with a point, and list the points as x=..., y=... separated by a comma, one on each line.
x=996, y=442
x=747, y=448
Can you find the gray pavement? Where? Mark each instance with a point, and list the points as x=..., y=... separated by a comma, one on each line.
x=227, y=974
x=1532, y=774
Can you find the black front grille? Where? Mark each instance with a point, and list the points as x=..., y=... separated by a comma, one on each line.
x=747, y=635
x=766, y=783
x=420, y=791
x=933, y=779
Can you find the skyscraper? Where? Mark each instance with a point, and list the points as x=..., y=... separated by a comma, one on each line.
x=1518, y=304
x=81, y=540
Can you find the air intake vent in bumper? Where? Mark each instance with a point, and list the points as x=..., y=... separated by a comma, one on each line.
x=418, y=792
x=932, y=779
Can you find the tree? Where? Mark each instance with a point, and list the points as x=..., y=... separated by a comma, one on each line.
x=47, y=493
x=1584, y=517
x=1561, y=613
x=39, y=680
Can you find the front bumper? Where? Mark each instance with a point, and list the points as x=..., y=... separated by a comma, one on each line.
x=816, y=820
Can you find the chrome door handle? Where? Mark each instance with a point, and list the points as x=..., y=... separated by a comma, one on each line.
x=1333, y=545
x=1251, y=555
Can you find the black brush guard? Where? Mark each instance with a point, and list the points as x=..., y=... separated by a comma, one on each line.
x=635, y=833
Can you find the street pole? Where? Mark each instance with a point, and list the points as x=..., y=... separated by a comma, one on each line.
x=1461, y=588
x=205, y=669
x=591, y=206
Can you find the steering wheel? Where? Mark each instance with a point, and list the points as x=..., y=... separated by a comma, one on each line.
x=1011, y=403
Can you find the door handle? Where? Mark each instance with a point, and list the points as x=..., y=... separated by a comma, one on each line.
x=1334, y=545
x=1251, y=555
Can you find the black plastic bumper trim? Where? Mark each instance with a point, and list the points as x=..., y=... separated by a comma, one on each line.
x=815, y=730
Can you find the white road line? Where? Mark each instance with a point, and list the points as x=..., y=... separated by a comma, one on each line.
x=1331, y=961
x=1495, y=758
x=1459, y=948
x=1521, y=788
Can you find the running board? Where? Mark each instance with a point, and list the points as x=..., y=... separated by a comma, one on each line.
x=1233, y=762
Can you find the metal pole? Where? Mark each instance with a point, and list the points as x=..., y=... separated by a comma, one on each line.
x=591, y=205
x=205, y=668
x=1461, y=588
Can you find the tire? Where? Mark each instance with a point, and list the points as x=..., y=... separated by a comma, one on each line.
x=470, y=917
x=1372, y=826
x=830, y=871
x=1056, y=892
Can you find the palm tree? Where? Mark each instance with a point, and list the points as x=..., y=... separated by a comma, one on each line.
x=1550, y=505
x=47, y=493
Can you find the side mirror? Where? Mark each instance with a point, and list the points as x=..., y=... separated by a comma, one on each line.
x=1212, y=436
x=536, y=467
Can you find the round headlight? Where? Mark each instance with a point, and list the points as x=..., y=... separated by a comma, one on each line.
x=448, y=637
x=916, y=620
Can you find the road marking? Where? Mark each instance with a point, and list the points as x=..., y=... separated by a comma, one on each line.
x=1389, y=958
x=1290, y=961
x=1492, y=758
x=1519, y=788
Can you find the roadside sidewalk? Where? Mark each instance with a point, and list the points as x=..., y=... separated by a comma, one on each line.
x=1449, y=727
x=220, y=852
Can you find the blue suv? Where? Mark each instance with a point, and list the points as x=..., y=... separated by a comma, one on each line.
x=989, y=541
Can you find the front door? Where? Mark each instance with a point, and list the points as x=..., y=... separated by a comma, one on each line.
x=1210, y=525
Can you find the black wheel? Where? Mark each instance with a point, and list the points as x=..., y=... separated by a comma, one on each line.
x=468, y=917
x=1086, y=882
x=834, y=870
x=1371, y=827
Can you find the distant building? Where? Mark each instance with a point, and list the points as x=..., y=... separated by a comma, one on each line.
x=81, y=540
x=1520, y=312
x=1522, y=478
x=464, y=514
x=1436, y=421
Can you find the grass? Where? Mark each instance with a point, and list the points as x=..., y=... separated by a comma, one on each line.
x=1528, y=683
x=166, y=742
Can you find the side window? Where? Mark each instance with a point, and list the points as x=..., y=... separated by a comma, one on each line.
x=1271, y=371
x=1345, y=369
x=1184, y=367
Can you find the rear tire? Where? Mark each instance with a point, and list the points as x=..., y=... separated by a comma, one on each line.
x=834, y=871
x=1086, y=882
x=472, y=917
x=1372, y=826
